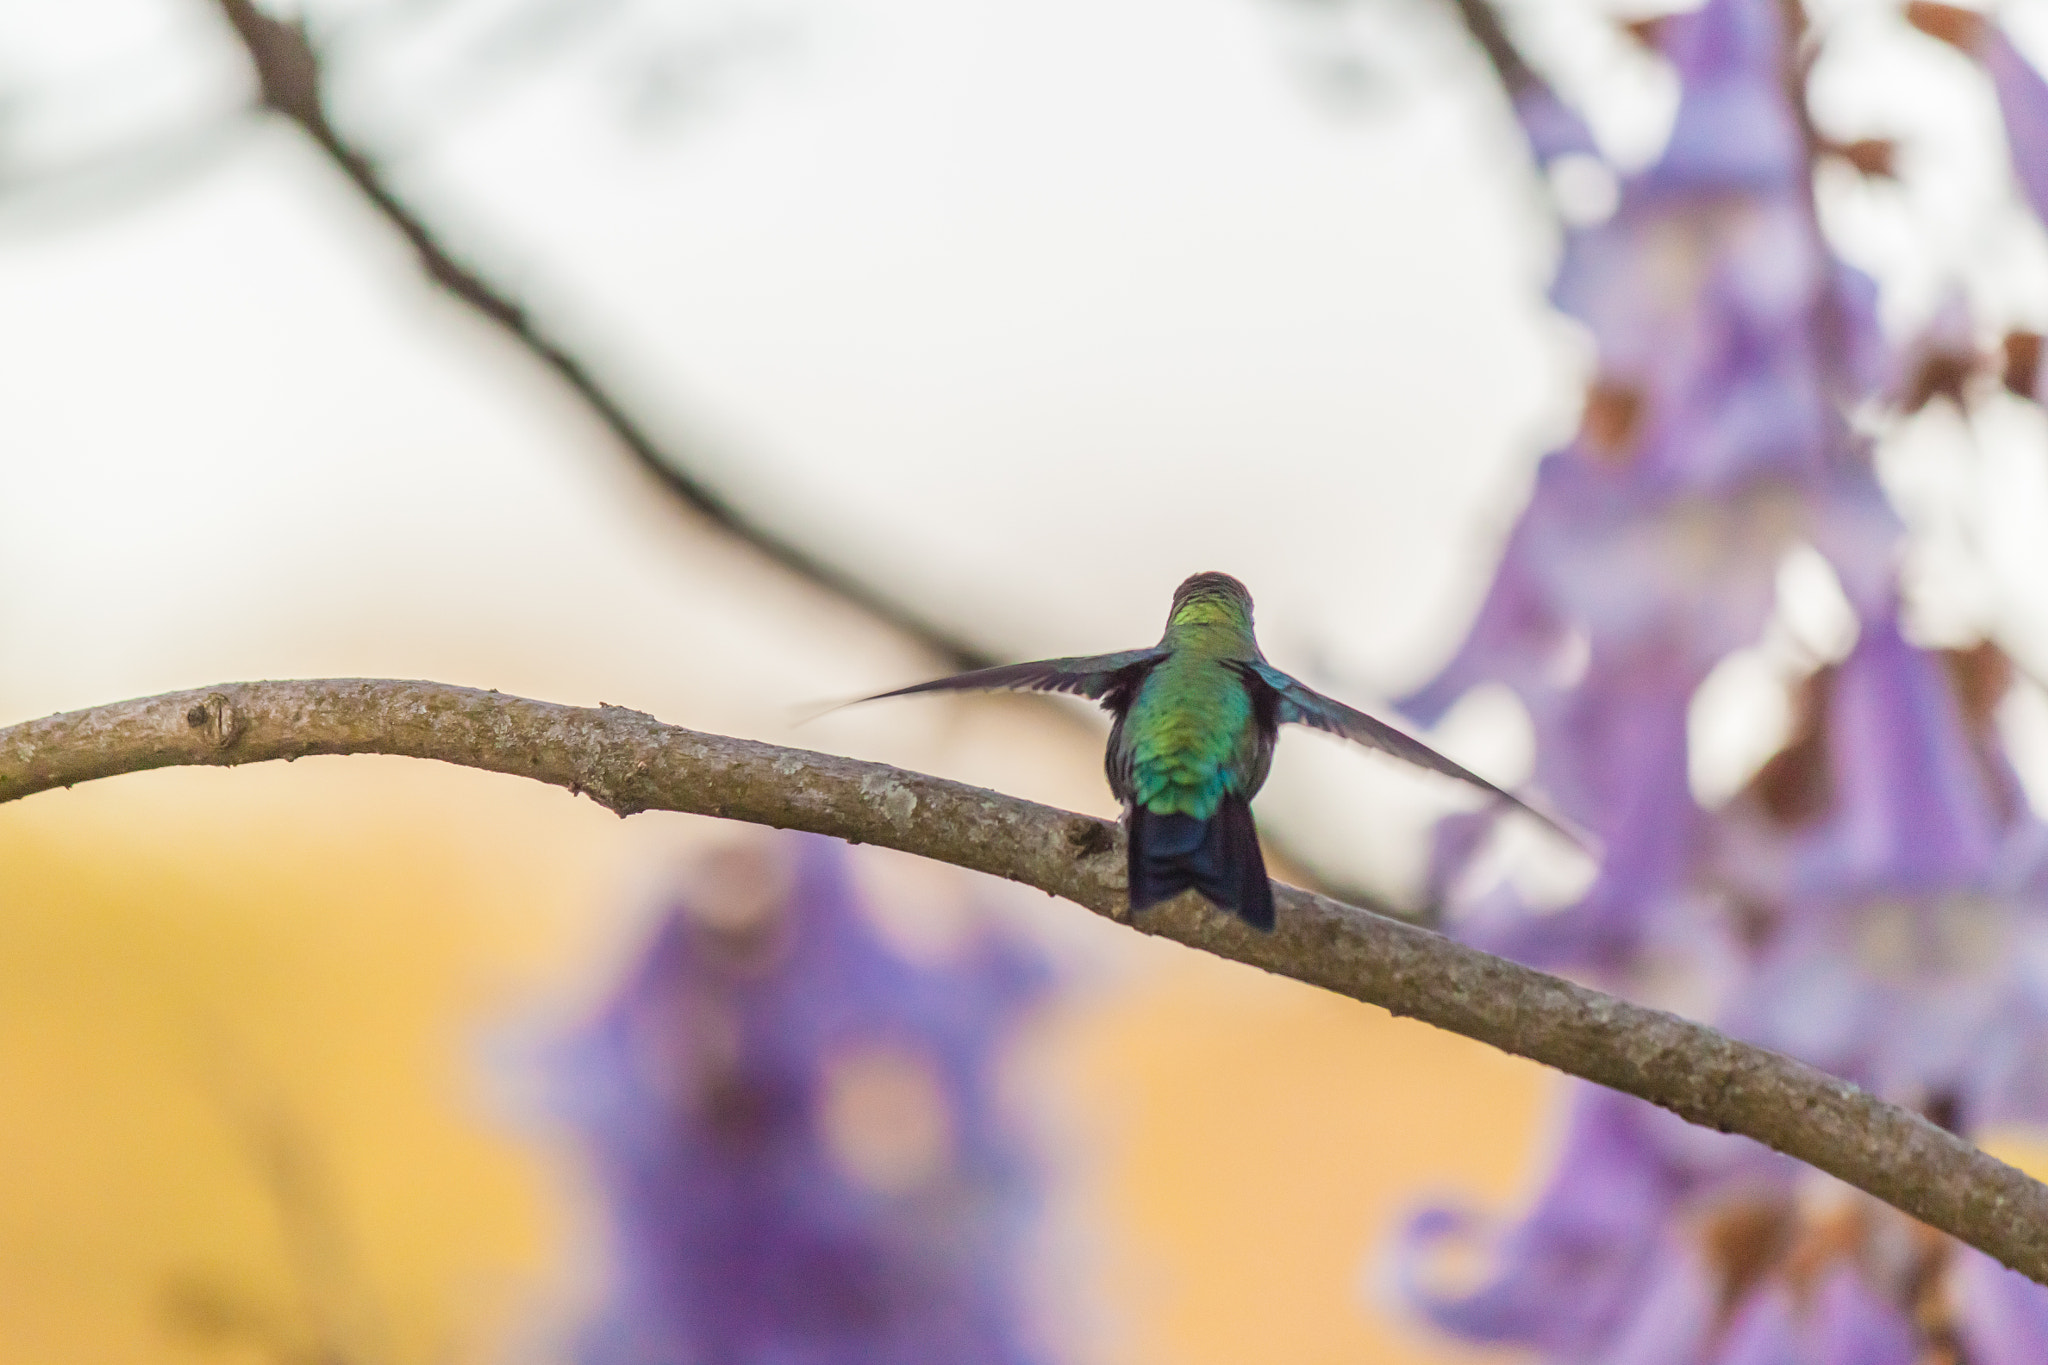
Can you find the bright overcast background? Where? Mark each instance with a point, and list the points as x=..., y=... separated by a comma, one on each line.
x=1020, y=312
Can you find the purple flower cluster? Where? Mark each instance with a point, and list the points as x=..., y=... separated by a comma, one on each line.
x=1875, y=900
x=796, y=1137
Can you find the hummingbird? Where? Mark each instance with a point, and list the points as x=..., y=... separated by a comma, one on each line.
x=1195, y=717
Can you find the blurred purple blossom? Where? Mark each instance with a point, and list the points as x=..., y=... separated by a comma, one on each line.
x=796, y=1134
x=1552, y=127
x=2005, y=1317
x=1736, y=130
x=2022, y=94
x=1875, y=900
x=1570, y=1278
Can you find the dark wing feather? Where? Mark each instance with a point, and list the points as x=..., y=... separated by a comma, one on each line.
x=1303, y=705
x=1085, y=675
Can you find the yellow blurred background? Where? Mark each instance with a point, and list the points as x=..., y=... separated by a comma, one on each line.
x=196, y=967
x=245, y=1024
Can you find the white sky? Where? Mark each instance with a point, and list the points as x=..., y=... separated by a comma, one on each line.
x=1023, y=311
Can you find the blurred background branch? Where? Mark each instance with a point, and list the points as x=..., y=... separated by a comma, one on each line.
x=1510, y=67
x=291, y=81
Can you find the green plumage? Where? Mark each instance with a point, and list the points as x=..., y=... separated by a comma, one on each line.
x=1195, y=719
x=1190, y=736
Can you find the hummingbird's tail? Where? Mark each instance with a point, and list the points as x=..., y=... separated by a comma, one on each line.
x=1219, y=857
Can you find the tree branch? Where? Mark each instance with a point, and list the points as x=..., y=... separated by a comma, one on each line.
x=290, y=81
x=628, y=762
x=1483, y=22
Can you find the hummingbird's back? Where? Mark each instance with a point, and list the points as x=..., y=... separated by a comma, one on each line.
x=1190, y=737
x=1185, y=758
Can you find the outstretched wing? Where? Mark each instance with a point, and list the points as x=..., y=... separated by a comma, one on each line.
x=1085, y=675
x=1303, y=705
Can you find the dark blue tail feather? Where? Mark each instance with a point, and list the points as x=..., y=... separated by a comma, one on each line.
x=1219, y=857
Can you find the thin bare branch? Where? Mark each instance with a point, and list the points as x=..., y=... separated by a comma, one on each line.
x=1483, y=22
x=290, y=81
x=629, y=762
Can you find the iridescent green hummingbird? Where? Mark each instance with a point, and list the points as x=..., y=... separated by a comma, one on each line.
x=1196, y=716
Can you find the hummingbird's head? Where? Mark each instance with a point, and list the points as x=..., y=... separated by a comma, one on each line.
x=1211, y=599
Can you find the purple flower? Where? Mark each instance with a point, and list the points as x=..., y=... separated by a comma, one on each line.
x=1595, y=1254
x=1729, y=337
x=2003, y=1316
x=1876, y=900
x=1552, y=127
x=2023, y=102
x=2022, y=94
x=1917, y=808
x=1616, y=765
x=1736, y=128
x=1656, y=1244
x=1889, y=875
x=796, y=1137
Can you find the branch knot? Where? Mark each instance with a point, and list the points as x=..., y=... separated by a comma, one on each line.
x=218, y=717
